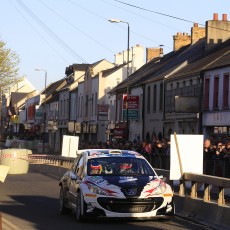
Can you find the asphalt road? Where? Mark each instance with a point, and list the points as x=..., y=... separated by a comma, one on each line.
x=30, y=202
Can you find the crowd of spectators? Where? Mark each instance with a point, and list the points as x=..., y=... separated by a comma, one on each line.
x=216, y=156
x=216, y=152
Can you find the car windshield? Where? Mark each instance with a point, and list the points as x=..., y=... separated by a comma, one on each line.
x=118, y=166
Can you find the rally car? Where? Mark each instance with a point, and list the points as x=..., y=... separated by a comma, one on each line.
x=114, y=183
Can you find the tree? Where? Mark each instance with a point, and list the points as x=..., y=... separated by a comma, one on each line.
x=9, y=62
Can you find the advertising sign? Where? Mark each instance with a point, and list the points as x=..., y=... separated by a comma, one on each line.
x=31, y=112
x=133, y=114
x=133, y=107
x=70, y=146
x=77, y=127
x=191, y=158
x=133, y=101
x=93, y=128
x=103, y=112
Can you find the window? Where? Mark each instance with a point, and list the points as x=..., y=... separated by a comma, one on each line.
x=75, y=164
x=64, y=107
x=161, y=97
x=119, y=110
x=67, y=107
x=79, y=106
x=206, y=93
x=226, y=91
x=60, y=113
x=86, y=105
x=216, y=92
x=82, y=106
x=79, y=167
x=148, y=99
x=154, y=98
x=118, y=166
x=92, y=105
x=95, y=104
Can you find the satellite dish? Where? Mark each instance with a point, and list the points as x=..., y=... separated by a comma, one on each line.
x=69, y=80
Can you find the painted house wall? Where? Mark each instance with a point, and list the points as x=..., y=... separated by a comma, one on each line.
x=220, y=116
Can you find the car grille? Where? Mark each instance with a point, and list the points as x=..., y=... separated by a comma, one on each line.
x=130, y=205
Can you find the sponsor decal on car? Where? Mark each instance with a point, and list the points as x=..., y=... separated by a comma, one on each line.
x=97, y=180
x=124, y=179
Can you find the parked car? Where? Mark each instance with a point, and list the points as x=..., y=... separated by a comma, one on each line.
x=114, y=183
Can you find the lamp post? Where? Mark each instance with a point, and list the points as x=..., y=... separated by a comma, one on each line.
x=44, y=113
x=127, y=94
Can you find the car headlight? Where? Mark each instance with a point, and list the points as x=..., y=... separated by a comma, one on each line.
x=159, y=189
x=97, y=190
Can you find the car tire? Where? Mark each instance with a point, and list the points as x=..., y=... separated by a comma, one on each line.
x=80, y=208
x=62, y=206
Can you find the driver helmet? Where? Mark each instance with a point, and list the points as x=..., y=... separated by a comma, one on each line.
x=125, y=165
x=108, y=169
x=96, y=167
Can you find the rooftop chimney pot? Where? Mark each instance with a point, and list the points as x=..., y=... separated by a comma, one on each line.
x=195, y=25
x=224, y=17
x=215, y=16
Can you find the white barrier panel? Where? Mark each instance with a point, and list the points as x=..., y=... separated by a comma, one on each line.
x=16, y=159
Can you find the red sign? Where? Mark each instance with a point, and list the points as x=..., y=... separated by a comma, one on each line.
x=31, y=112
x=119, y=133
x=133, y=101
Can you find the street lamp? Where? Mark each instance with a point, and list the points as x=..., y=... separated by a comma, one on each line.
x=44, y=112
x=127, y=109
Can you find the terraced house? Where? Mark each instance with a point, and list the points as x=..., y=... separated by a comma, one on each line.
x=185, y=91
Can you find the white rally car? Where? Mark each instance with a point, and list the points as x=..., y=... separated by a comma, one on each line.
x=114, y=183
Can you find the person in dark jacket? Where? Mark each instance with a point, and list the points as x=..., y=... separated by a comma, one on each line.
x=208, y=158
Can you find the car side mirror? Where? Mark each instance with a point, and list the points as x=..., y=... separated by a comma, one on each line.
x=73, y=176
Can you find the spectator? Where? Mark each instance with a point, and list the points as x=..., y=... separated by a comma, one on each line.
x=218, y=157
x=226, y=150
x=208, y=156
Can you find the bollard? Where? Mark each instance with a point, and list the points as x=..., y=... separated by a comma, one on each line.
x=16, y=159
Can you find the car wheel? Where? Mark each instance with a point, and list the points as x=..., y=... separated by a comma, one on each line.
x=80, y=208
x=62, y=207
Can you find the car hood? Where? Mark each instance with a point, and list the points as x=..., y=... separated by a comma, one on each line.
x=128, y=186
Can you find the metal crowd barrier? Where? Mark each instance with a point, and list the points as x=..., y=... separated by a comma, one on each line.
x=216, y=167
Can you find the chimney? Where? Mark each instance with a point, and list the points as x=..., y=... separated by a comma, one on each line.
x=224, y=17
x=215, y=17
x=197, y=33
x=181, y=40
x=217, y=31
x=153, y=53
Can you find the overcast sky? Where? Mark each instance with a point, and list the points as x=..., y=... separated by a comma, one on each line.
x=53, y=34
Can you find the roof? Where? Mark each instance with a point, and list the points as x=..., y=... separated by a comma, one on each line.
x=17, y=97
x=108, y=72
x=52, y=89
x=218, y=56
x=111, y=153
x=178, y=62
x=147, y=70
x=80, y=67
x=187, y=61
